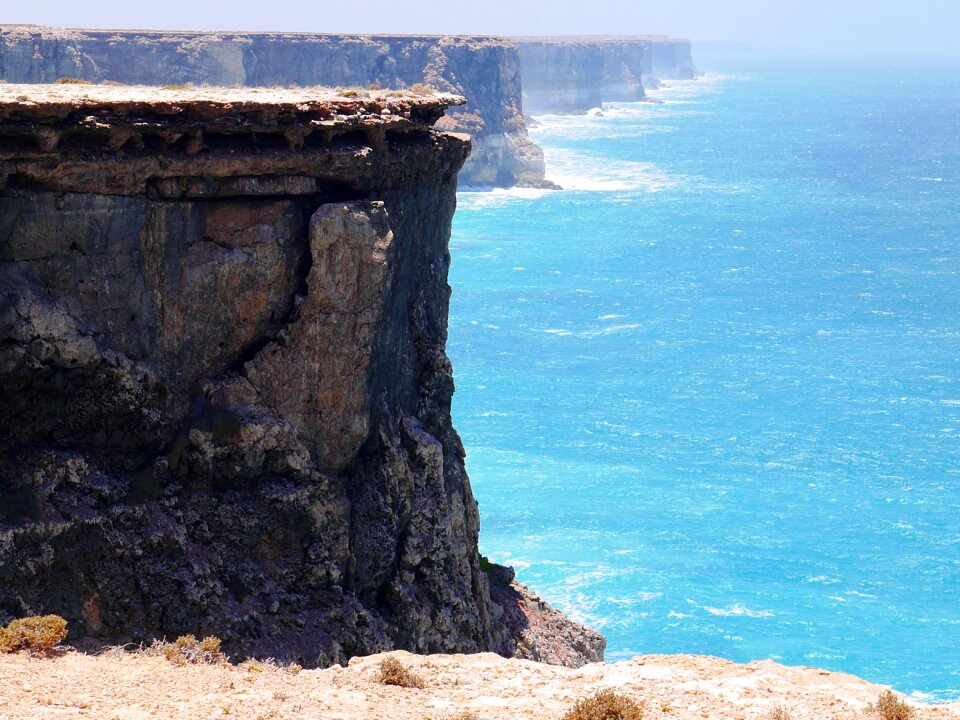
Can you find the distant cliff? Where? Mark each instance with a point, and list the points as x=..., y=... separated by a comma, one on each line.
x=486, y=70
x=574, y=74
x=224, y=392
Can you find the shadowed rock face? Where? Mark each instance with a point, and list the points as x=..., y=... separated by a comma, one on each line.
x=486, y=70
x=574, y=74
x=224, y=396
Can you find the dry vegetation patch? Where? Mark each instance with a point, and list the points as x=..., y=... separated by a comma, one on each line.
x=394, y=672
x=890, y=707
x=605, y=705
x=779, y=712
x=187, y=650
x=38, y=634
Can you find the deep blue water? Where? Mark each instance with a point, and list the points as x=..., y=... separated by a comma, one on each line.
x=710, y=393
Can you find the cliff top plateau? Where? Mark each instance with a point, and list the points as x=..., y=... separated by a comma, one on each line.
x=52, y=31
x=593, y=39
x=455, y=687
x=484, y=69
x=243, y=110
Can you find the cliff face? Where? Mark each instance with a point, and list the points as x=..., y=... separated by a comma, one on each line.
x=485, y=70
x=575, y=74
x=224, y=396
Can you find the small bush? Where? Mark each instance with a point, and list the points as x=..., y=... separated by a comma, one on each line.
x=188, y=650
x=421, y=89
x=394, y=672
x=175, y=87
x=605, y=705
x=890, y=707
x=38, y=634
x=779, y=712
x=71, y=81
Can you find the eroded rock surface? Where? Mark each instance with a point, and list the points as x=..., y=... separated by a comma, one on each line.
x=224, y=396
x=486, y=70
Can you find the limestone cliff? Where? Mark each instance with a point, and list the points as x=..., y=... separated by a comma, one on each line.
x=224, y=396
x=486, y=70
x=574, y=74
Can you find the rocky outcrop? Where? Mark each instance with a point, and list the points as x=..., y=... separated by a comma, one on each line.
x=574, y=74
x=486, y=70
x=224, y=396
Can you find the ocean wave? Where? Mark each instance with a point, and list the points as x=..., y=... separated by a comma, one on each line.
x=738, y=610
x=581, y=171
x=611, y=330
x=675, y=91
x=478, y=198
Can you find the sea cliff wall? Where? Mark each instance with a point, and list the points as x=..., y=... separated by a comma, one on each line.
x=486, y=70
x=224, y=393
x=574, y=74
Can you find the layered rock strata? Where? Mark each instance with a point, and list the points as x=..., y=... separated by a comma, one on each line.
x=486, y=70
x=224, y=395
x=574, y=74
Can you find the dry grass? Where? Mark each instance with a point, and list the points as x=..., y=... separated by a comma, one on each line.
x=187, y=650
x=71, y=81
x=605, y=705
x=37, y=634
x=890, y=707
x=394, y=672
x=780, y=712
x=421, y=89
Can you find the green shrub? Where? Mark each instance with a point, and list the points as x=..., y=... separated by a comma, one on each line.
x=605, y=705
x=38, y=634
x=394, y=672
x=890, y=707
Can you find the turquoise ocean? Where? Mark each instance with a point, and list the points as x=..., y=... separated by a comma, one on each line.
x=710, y=391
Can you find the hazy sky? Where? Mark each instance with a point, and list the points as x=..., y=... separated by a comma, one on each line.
x=912, y=27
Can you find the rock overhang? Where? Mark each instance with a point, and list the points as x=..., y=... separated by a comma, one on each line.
x=138, y=136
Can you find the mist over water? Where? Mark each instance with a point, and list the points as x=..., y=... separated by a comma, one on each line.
x=710, y=392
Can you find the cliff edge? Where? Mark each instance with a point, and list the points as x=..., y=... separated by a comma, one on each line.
x=224, y=394
x=485, y=70
x=572, y=74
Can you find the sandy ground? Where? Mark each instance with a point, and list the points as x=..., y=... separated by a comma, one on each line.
x=119, y=686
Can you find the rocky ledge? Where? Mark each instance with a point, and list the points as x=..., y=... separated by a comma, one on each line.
x=224, y=395
x=486, y=70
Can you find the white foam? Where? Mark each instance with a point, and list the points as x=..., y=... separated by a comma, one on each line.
x=611, y=330
x=474, y=198
x=581, y=171
x=738, y=610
